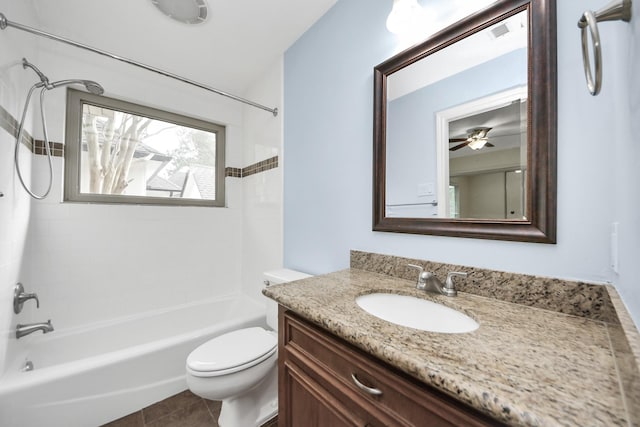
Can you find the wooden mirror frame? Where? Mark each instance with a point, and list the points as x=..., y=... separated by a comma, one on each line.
x=540, y=225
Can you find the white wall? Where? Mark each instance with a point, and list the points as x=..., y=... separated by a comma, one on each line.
x=14, y=205
x=328, y=143
x=262, y=214
x=91, y=262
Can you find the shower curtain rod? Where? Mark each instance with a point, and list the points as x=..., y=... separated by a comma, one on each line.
x=4, y=23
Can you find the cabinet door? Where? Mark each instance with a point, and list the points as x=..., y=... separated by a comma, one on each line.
x=309, y=405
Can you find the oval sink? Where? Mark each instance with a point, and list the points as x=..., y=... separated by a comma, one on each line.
x=416, y=313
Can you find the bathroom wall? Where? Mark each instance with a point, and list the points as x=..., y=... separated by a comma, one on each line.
x=328, y=143
x=92, y=262
x=624, y=42
x=14, y=203
x=262, y=192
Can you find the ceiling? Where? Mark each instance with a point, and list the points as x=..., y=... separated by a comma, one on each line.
x=238, y=42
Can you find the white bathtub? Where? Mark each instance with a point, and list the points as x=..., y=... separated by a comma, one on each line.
x=90, y=376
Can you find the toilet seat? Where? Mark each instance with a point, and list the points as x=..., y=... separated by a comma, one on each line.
x=232, y=352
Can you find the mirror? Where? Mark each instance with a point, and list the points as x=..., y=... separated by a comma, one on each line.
x=465, y=129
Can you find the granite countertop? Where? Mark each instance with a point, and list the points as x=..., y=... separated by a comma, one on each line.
x=525, y=366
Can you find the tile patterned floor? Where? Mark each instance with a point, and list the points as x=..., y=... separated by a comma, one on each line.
x=182, y=410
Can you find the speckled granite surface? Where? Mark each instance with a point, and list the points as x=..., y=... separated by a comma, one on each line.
x=524, y=365
x=625, y=341
x=576, y=298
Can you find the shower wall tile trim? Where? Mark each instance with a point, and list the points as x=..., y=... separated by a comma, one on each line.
x=10, y=124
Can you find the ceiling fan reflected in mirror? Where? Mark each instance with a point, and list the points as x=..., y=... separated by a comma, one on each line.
x=476, y=140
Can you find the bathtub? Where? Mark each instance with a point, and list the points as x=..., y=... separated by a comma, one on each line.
x=92, y=375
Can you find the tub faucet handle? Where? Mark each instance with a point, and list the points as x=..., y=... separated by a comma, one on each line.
x=20, y=296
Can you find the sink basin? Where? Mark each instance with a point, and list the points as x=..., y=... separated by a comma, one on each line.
x=416, y=313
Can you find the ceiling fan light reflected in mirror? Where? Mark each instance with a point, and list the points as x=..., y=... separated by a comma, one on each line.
x=478, y=143
x=476, y=140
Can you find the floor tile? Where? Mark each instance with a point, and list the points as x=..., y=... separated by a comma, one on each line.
x=169, y=405
x=195, y=415
x=214, y=408
x=132, y=420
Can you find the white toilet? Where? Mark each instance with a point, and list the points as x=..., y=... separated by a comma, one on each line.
x=241, y=367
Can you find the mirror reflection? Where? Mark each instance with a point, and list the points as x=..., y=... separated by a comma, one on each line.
x=457, y=129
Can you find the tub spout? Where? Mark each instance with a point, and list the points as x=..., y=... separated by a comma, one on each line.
x=22, y=330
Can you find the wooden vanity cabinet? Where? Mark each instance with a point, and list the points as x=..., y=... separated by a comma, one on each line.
x=316, y=388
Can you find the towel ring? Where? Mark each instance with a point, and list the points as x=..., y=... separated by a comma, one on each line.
x=614, y=11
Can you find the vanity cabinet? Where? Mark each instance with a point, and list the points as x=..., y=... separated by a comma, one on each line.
x=325, y=381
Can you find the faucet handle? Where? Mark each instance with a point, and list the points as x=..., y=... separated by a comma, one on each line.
x=19, y=297
x=423, y=276
x=449, y=286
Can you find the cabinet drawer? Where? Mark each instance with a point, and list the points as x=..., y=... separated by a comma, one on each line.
x=395, y=397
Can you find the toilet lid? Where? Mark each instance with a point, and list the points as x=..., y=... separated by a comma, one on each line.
x=233, y=351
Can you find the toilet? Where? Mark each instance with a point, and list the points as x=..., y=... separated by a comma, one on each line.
x=240, y=368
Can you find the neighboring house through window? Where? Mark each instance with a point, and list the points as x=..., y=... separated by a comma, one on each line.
x=120, y=152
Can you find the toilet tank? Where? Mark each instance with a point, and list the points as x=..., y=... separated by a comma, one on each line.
x=275, y=277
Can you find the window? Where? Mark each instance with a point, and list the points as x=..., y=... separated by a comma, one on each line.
x=119, y=152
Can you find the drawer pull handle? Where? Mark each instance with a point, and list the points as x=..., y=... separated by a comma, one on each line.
x=369, y=390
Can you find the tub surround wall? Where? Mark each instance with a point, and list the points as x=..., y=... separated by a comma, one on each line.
x=91, y=263
x=95, y=262
x=262, y=183
x=15, y=206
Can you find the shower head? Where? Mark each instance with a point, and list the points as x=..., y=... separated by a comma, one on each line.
x=44, y=79
x=90, y=85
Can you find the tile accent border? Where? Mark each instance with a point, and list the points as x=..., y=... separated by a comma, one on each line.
x=575, y=298
x=233, y=172
x=262, y=166
x=253, y=169
x=10, y=124
x=57, y=148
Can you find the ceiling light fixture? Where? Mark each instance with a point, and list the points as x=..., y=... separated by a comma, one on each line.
x=478, y=138
x=406, y=16
x=185, y=11
x=477, y=143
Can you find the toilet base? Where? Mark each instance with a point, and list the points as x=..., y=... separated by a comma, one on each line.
x=254, y=408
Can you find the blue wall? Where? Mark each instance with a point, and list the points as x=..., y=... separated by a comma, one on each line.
x=328, y=138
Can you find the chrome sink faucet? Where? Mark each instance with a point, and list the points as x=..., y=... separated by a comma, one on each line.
x=428, y=282
x=22, y=330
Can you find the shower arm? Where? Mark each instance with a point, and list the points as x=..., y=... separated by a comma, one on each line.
x=4, y=23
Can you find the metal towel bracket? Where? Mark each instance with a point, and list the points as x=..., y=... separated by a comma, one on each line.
x=618, y=10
